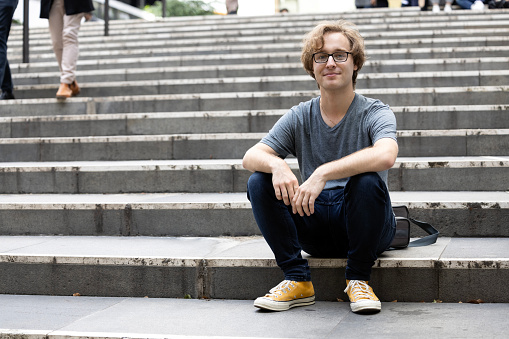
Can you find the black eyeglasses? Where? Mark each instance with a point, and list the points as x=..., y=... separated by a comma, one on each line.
x=322, y=57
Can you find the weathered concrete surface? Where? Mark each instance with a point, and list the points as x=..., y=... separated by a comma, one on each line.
x=457, y=214
x=221, y=267
x=227, y=175
x=35, y=317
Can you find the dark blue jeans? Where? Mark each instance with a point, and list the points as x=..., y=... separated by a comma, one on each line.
x=7, y=8
x=355, y=222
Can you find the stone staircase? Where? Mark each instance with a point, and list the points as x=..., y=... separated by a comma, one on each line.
x=135, y=188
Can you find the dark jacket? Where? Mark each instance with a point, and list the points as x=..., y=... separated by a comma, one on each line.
x=71, y=7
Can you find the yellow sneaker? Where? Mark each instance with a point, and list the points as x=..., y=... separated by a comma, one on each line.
x=362, y=297
x=286, y=295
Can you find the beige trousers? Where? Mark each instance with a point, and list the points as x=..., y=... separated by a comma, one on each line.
x=64, y=35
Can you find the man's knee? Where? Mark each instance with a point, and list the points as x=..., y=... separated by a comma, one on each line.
x=259, y=183
x=364, y=182
x=69, y=36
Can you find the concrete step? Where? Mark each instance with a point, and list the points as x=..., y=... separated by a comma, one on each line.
x=441, y=96
x=231, y=146
x=373, y=15
x=271, y=83
x=471, y=37
x=172, y=47
x=258, y=58
x=209, y=176
x=408, y=118
x=262, y=70
x=451, y=26
x=367, y=19
x=452, y=270
x=55, y=317
x=164, y=242
x=455, y=214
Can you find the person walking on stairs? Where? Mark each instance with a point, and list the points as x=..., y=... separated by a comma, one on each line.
x=232, y=6
x=447, y=7
x=64, y=23
x=7, y=8
x=345, y=144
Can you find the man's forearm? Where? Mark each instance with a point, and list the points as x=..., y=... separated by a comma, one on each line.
x=372, y=159
x=261, y=158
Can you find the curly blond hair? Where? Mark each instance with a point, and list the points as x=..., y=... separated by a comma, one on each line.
x=313, y=42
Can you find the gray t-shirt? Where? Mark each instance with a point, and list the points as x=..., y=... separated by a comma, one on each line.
x=301, y=132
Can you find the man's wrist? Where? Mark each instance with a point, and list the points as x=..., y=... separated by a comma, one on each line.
x=322, y=173
x=276, y=163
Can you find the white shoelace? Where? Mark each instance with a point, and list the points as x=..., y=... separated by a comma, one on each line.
x=283, y=286
x=360, y=290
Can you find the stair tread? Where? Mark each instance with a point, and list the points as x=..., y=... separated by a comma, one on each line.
x=110, y=165
x=482, y=253
x=99, y=317
x=187, y=69
x=270, y=79
x=445, y=199
x=207, y=244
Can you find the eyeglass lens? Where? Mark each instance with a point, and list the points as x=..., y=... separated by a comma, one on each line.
x=324, y=57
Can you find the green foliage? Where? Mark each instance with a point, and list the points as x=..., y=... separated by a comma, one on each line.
x=181, y=8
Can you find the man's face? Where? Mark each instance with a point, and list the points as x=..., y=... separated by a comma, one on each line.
x=332, y=75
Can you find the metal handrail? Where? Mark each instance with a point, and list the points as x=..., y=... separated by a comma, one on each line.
x=106, y=17
x=25, y=32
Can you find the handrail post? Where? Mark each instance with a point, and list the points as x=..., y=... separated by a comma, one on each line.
x=106, y=18
x=25, y=32
x=164, y=8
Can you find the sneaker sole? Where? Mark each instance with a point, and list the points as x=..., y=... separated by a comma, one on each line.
x=366, y=307
x=271, y=305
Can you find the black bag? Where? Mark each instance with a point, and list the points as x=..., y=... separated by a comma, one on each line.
x=402, y=236
x=492, y=4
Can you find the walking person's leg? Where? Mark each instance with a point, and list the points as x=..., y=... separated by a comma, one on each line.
x=64, y=36
x=56, y=27
x=7, y=9
x=70, y=51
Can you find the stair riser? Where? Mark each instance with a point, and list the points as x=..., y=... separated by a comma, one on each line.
x=469, y=220
x=372, y=25
x=165, y=50
x=256, y=101
x=416, y=146
x=147, y=126
x=307, y=84
x=206, y=37
x=246, y=283
x=229, y=180
x=291, y=57
x=256, y=71
x=255, y=122
x=232, y=40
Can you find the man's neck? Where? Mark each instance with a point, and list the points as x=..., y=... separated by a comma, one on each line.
x=334, y=105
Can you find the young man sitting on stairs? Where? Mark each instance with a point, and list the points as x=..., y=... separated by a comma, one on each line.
x=345, y=144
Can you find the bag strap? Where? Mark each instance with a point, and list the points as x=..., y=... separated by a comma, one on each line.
x=427, y=240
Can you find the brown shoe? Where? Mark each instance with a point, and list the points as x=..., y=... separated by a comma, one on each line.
x=74, y=88
x=64, y=91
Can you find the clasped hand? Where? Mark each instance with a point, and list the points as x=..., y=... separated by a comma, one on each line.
x=301, y=198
